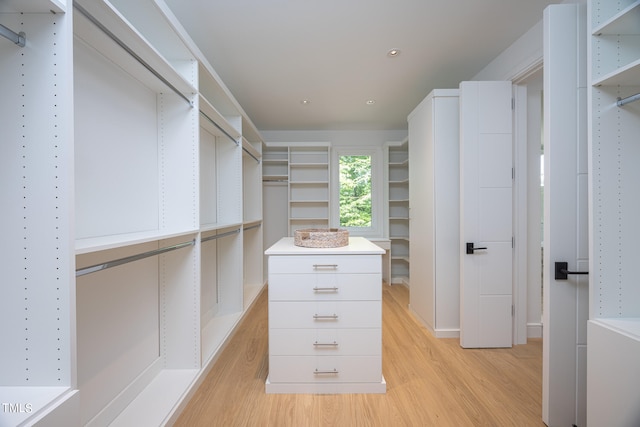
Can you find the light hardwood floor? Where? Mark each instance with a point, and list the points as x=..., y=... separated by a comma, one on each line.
x=430, y=382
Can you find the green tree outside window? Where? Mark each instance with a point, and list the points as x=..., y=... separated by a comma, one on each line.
x=355, y=191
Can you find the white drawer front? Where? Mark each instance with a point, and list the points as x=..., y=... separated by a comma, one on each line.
x=311, y=369
x=323, y=287
x=322, y=264
x=325, y=342
x=325, y=314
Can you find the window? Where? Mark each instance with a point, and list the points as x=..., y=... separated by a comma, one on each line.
x=356, y=192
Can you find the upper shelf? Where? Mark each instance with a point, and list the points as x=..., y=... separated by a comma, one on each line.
x=217, y=124
x=623, y=22
x=33, y=6
x=136, y=54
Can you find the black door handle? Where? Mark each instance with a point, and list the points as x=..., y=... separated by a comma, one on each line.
x=562, y=272
x=471, y=249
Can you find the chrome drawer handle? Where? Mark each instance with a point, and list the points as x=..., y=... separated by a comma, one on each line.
x=317, y=372
x=320, y=317
x=334, y=289
x=325, y=344
x=334, y=266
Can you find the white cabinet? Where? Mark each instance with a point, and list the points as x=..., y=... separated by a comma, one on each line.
x=325, y=318
x=435, y=212
x=398, y=210
x=613, y=330
x=123, y=158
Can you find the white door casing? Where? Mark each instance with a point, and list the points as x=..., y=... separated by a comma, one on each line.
x=486, y=214
x=565, y=302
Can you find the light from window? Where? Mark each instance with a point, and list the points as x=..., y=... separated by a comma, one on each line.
x=355, y=191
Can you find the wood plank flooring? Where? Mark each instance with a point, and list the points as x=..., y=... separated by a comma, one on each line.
x=430, y=382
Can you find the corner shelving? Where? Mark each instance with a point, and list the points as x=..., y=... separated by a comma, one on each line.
x=398, y=176
x=614, y=58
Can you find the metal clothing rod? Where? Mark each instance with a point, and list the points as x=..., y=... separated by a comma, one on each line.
x=249, y=153
x=219, y=128
x=628, y=100
x=217, y=236
x=252, y=227
x=18, y=38
x=126, y=260
x=130, y=51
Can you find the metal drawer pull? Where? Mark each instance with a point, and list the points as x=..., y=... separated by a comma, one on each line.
x=317, y=372
x=325, y=344
x=334, y=289
x=334, y=266
x=319, y=317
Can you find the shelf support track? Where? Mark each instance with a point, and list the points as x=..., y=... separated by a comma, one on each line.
x=628, y=100
x=18, y=38
x=125, y=260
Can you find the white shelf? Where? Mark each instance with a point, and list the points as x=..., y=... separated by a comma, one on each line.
x=623, y=22
x=211, y=116
x=29, y=400
x=117, y=24
x=95, y=244
x=159, y=400
x=627, y=326
x=33, y=6
x=629, y=75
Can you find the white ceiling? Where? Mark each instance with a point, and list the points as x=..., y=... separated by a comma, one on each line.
x=272, y=54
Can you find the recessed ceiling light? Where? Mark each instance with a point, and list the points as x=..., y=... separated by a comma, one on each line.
x=393, y=53
x=305, y=102
x=371, y=101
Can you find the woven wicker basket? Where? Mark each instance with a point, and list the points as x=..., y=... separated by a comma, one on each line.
x=321, y=237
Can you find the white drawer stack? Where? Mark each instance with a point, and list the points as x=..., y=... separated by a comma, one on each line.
x=325, y=324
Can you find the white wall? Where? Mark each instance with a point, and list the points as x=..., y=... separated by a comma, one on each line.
x=337, y=138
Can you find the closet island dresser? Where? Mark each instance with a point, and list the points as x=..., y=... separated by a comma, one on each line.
x=325, y=318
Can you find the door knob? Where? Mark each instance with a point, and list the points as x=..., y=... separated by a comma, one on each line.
x=562, y=271
x=471, y=248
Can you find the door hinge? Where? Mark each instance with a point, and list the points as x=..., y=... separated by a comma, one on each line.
x=513, y=242
x=513, y=174
x=513, y=310
x=513, y=103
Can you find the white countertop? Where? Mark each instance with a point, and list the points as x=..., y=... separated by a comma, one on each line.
x=357, y=246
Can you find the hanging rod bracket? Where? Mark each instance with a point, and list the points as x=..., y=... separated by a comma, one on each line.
x=18, y=38
x=628, y=100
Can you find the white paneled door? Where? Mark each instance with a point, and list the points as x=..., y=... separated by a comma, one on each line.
x=565, y=304
x=486, y=214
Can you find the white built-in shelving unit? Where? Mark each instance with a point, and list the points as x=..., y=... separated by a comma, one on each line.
x=134, y=196
x=308, y=187
x=296, y=189
x=398, y=193
x=614, y=150
x=275, y=193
